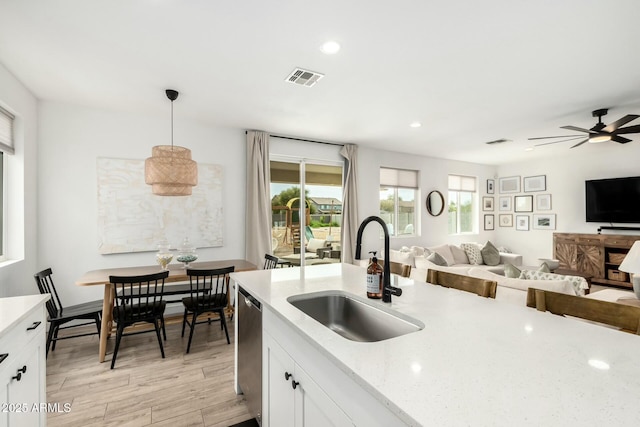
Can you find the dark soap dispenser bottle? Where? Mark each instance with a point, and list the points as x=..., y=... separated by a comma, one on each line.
x=374, y=278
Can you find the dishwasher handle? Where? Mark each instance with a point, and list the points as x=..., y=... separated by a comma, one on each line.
x=249, y=300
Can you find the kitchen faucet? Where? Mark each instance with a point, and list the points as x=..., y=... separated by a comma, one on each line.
x=387, y=289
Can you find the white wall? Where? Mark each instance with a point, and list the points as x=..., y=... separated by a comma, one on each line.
x=16, y=275
x=566, y=175
x=433, y=176
x=71, y=138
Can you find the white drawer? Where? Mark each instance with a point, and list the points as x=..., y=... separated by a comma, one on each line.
x=20, y=335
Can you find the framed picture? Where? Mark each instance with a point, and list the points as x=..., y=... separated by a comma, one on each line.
x=490, y=188
x=488, y=222
x=509, y=184
x=535, y=183
x=505, y=203
x=487, y=203
x=522, y=222
x=544, y=222
x=506, y=220
x=523, y=203
x=543, y=202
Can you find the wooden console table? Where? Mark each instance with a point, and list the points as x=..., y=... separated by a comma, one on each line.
x=596, y=255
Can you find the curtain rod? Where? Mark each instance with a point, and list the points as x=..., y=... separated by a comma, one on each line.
x=303, y=140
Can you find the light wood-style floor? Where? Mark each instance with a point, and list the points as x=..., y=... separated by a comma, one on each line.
x=194, y=389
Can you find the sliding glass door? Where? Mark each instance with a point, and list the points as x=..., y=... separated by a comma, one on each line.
x=306, y=200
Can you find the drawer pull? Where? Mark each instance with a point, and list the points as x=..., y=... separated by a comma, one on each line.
x=21, y=371
x=34, y=326
x=3, y=356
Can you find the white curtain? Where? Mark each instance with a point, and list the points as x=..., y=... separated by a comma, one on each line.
x=258, y=223
x=350, y=203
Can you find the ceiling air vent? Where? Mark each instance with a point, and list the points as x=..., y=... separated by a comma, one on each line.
x=304, y=77
x=497, y=141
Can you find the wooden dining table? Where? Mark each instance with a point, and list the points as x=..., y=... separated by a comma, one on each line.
x=177, y=273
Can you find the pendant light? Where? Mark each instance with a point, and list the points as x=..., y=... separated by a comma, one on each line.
x=170, y=170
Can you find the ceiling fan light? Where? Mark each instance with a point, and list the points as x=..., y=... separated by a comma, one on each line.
x=599, y=138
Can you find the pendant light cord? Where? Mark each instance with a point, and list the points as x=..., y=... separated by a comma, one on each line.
x=172, y=126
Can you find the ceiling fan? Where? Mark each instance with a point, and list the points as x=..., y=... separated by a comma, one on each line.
x=600, y=132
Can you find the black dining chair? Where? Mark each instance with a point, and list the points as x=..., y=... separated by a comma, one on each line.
x=209, y=294
x=270, y=262
x=138, y=299
x=60, y=315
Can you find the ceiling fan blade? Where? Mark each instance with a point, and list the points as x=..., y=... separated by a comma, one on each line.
x=580, y=143
x=577, y=129
x=620, y=139
x=628, y=129
x=555, y=142
x=612, y=127
x=559, y=136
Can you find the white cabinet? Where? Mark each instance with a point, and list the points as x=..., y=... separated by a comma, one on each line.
x=293, y=397
x=23, y=371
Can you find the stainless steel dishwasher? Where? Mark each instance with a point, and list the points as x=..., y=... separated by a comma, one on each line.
x=250, y=351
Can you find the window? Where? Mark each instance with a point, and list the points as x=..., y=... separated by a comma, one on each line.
x=6, y=147
x=462, y=204
x=398, y=197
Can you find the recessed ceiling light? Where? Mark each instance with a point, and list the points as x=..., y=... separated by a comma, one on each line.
x=528, y=149
x=599, y=364
x=415, y=124
x=330, y=47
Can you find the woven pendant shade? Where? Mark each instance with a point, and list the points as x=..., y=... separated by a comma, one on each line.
x=170, y=170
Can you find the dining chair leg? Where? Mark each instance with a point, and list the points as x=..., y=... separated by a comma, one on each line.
x=193, y=326
x=224, y=324
x=50, y=338
x=184, y=321
x=119, y=332
x=98, y=323
x=55, y=337
x=164, y=331
x=155, y=323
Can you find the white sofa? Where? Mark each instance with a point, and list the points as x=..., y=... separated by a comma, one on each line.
x=457, y=260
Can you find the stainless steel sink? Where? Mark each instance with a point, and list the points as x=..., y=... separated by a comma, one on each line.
x=354, y=319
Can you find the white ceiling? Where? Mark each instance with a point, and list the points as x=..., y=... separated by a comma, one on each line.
x=471, y=71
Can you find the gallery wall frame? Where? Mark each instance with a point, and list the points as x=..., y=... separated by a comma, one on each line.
x=522, y=222
x=544, y=221
x=543, y=202
x=510, y=184
x=491, y=186
x=506, y=220
x=488, y=222
x=505, y=203
x=523, y=203
x=487, y=203
x=534, y=183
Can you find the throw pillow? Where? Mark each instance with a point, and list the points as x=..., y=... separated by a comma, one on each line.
x=579, y=283
x=504, y=249
x=544, y=268
x=437, y=259
x=490, y=254
x=417, y=251
x=473, y=253
x=459, y=255
x=445, y=252
x=511, y=271
x=401, y=257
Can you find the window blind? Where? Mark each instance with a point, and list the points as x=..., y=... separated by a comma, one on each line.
x=462, y=183
x=6, y=131
x=399, y=178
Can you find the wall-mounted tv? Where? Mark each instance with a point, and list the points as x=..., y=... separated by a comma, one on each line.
x=613, y=200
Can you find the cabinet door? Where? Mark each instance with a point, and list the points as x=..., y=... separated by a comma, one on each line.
x=279, y=402
x=590, y=260
x=566, y=253
x=24, y=394
x=314, y=408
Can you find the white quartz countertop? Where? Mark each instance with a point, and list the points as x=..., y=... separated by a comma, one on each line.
x=14, y=309
x=477, y=362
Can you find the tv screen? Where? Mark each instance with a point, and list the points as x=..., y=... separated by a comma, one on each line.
x=613, y=200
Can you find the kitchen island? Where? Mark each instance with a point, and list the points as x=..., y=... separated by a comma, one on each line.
x=477, y=361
